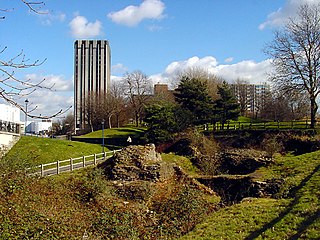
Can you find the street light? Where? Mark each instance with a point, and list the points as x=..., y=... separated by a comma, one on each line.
x=102, y=123
x=26, y=117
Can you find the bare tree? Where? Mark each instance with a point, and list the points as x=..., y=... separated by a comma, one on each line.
x=296, y=56
x=104, y=107
x=12, y=88
x=298, y=104
x=94, y=111
x=34, y=6
x=202, y=74
x=138, y=88
x=276, y=108
x=118, y=95
x=241, y=89
x=67, y=124
x=284, y=106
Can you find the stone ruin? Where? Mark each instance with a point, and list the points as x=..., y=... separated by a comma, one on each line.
x=134, y=163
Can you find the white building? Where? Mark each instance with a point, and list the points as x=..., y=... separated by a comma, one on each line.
x=9, y=113
x=39, y=127
x=10, y=127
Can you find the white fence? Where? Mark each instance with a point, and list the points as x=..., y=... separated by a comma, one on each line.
x=69, y=164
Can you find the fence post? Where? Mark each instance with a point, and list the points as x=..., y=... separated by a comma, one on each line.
x=42, y=170
x=58, y=170
x=71, y=164
x=95, y=159
x=83, y=161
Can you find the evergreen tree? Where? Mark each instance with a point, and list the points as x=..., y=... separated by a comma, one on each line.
x=164, y=120
x=226, y=107
x=192, y=95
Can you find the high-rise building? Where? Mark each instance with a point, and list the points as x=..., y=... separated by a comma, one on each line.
x=92, y=60
x=252, y=98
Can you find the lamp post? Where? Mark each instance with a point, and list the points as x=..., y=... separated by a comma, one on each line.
x=26, y=117
x=102, y=123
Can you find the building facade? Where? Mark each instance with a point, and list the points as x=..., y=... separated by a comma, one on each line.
x=252, y=98
x=9, y=113
x=39, y=127
x=10, y=127
x=92, y=66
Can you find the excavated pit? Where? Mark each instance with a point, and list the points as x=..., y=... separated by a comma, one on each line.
x=232, y=189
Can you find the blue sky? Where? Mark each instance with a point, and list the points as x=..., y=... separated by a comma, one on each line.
x=158, y=37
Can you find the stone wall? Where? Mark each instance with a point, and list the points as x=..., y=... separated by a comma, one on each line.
x=135, y=163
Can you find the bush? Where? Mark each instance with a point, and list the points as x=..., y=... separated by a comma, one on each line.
x=180, y=212
x=272, y=144
x=137, y=191
x=205, y=152
x=90, y=187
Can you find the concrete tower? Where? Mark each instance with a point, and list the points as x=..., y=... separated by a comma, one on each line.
x=92, y=60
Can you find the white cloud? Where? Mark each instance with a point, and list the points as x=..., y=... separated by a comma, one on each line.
x=250, y=71
x=154, y=28
x=57, y=82
x=50, y=17
x=82, y=28
x=208, y=62
x=229, y=59
x=119, y=69
x=115, y=79
x=48, y=103
x=279, y=17
x=133, y=15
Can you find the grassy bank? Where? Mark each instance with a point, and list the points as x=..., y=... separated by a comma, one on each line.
x=85, y=203
x=71, y=205
x=295, y=214
x=115, y=133
x=35, y=150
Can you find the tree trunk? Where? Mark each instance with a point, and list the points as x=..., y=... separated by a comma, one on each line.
x=137, y=120
x=109, y=121
x=313, y=111
x=91, y=125
x=117, y=119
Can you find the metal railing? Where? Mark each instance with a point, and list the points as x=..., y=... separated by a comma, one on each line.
x=70, y=164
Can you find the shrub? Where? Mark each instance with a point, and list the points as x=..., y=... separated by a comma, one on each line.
x=137, y=191
x=272, y=144
x=90, y=187
x=180, y=212
x=205, y=152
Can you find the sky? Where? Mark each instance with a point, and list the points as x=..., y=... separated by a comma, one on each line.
x=158, y=37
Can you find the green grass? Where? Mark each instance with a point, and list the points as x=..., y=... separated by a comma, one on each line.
x=294, y=214
x=257, y=124
x=183, y=162
x=35, y=150
x=294, y=217
x=68, y=205
x=115, y=133
x=243, y=119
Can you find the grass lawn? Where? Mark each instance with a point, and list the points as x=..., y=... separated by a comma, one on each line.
x=36, y=150
x=256, y=124
x=116, y=133
x=295, y=217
